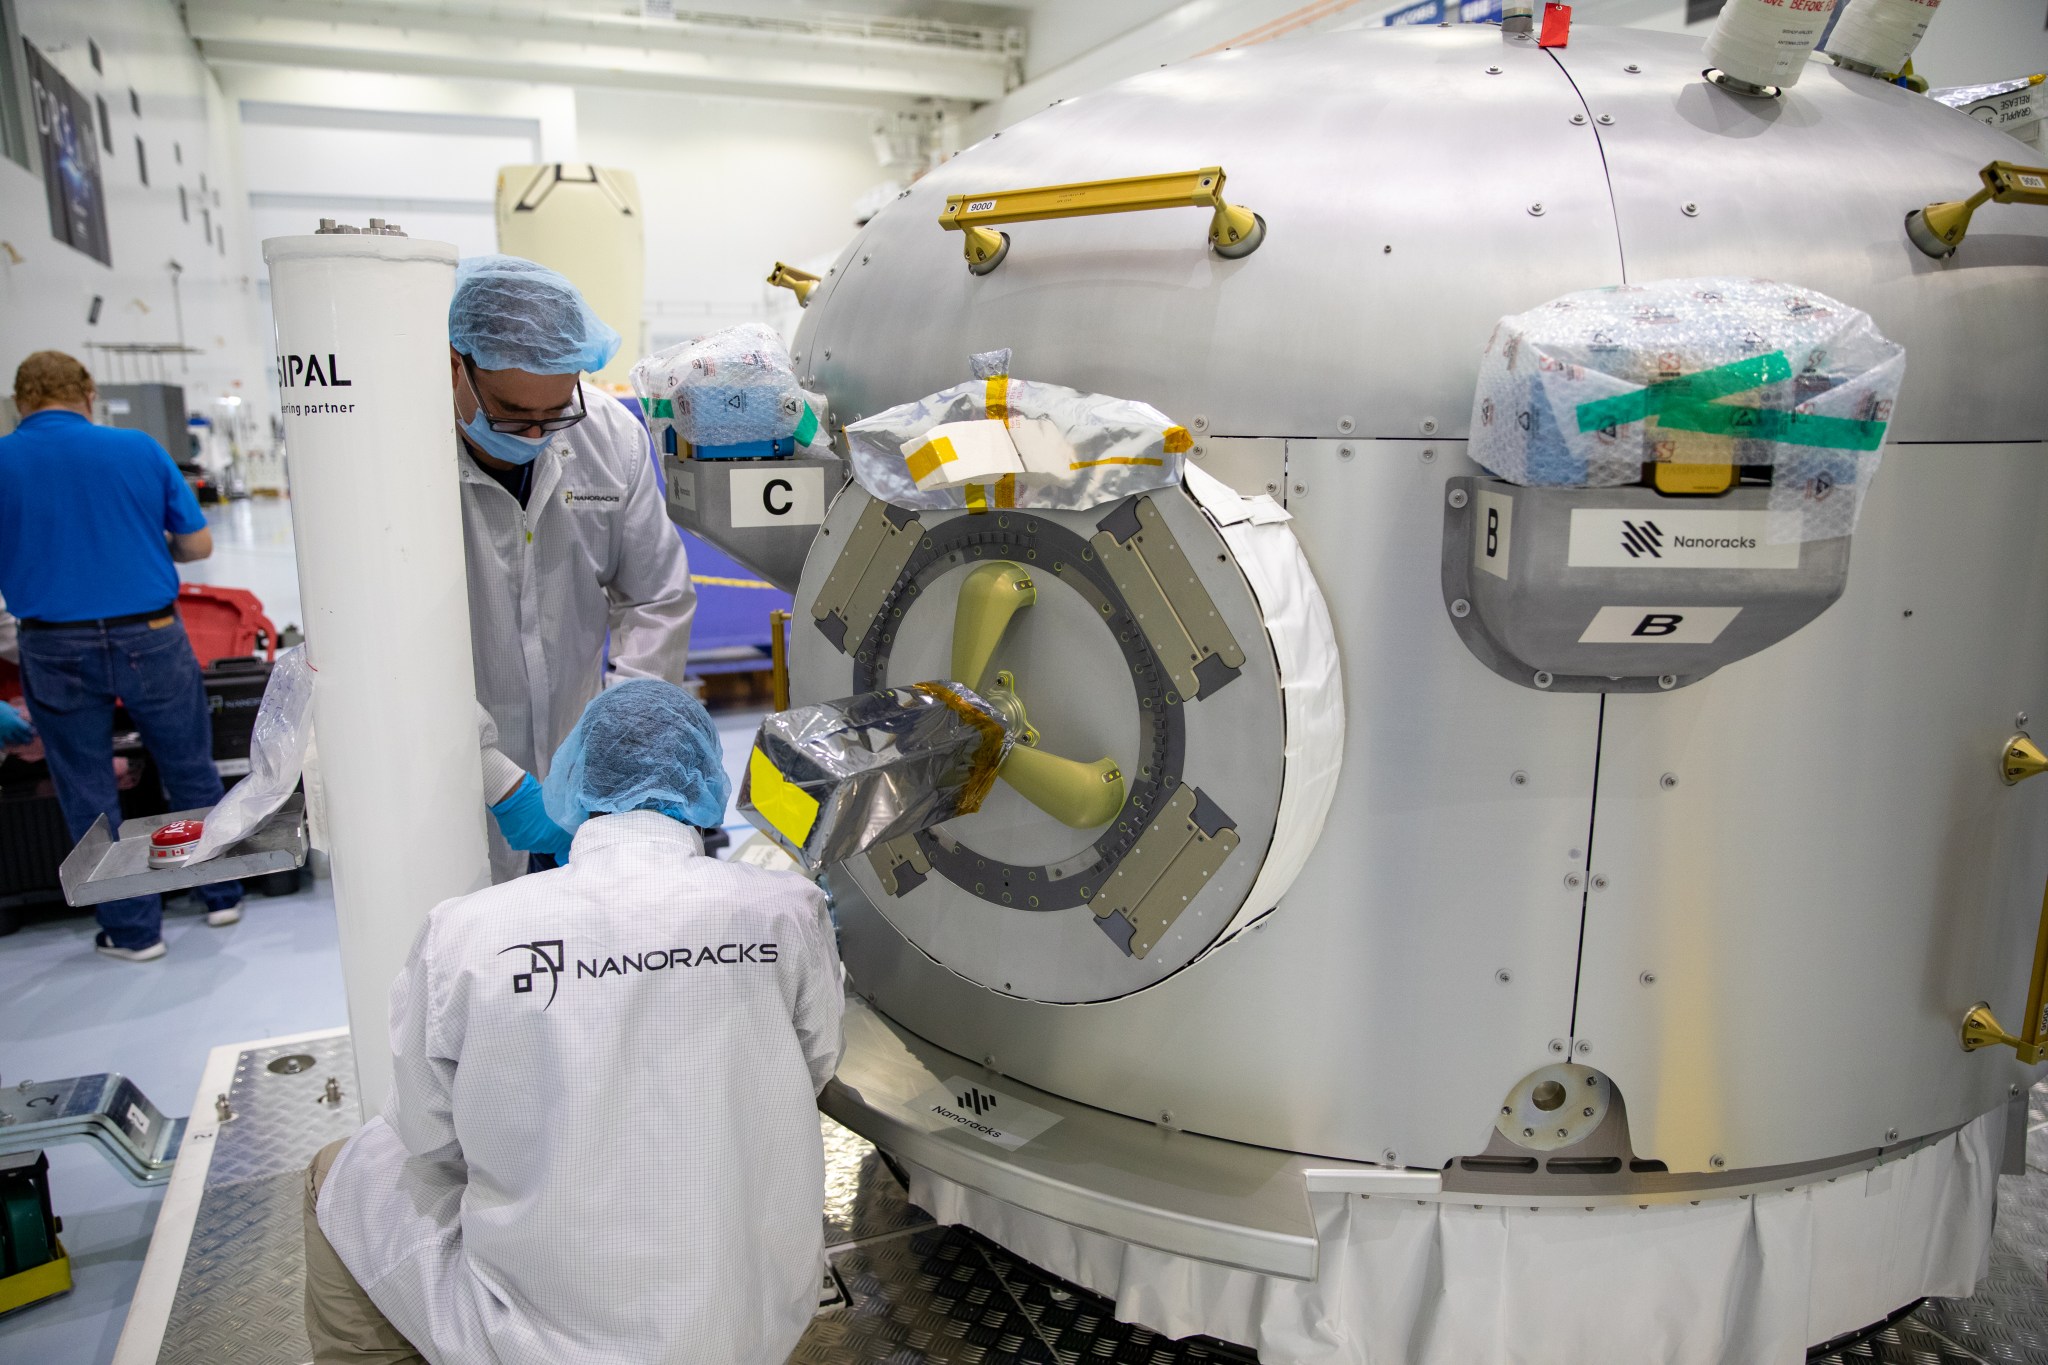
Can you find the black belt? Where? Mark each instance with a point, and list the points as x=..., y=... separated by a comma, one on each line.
x=103, y=623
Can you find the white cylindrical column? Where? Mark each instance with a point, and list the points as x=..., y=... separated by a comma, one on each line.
x=362, y=351
x=1766, y=42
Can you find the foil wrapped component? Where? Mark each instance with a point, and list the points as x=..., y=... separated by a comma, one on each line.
x=830, y=781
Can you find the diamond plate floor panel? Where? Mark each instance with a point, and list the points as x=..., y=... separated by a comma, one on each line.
x=916, y=1293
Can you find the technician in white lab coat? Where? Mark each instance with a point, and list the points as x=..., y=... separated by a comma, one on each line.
x=602, y=1141
x=564, y=531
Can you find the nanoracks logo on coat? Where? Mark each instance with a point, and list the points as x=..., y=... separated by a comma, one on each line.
x=547, y=957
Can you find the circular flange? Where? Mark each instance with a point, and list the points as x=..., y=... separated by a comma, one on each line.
x=292, y=1064
x=1554, y=1106
x=1088, y=666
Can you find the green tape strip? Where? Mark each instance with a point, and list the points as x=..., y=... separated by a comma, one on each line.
x=664, y=409
x=1718, y=382
x=808, y=427
x=1768, y=424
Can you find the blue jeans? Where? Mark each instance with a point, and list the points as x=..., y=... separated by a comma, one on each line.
x=70, y=678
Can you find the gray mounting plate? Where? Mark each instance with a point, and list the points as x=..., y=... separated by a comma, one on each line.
x=103, y=868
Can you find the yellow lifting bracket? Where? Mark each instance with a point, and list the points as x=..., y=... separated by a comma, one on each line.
x=797, y=282
x=2017, y=762
x=1234, y=230
x=1938, y=229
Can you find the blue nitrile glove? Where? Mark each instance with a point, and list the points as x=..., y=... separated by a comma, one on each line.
x=523, y=819
x=13, y=729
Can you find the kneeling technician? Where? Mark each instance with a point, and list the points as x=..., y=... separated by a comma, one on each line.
x=602, y=1138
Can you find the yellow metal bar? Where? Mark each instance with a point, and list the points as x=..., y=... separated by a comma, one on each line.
x=1233, y=229
x=1939, y=229
x=778, y=659
x=798, y=282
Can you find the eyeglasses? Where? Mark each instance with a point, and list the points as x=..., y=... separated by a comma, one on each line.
x=517, y=426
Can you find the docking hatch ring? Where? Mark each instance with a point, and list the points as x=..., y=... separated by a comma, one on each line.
x=1146, y=642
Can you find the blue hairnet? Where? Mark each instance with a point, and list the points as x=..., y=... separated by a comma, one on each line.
x=514, y=314
x=642, y=745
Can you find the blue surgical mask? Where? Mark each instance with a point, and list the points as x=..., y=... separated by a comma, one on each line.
x=503, y=445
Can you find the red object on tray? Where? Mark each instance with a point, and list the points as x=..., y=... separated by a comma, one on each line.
x=173, y=843
x=1557, y=26
x=224, y=623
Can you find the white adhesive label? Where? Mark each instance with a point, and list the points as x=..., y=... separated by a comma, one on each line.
x=980, y=205
x=980, y=1110
x=778, y=495
x=1656, y=538
x=1490, y=541
x=682, y=488
x=136, y=1121
x=1658, y=625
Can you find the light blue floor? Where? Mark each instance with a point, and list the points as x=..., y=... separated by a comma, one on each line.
x=66, y=1011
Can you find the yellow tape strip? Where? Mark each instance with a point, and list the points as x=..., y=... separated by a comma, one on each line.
x=712, y=580
x=1178, y=442
x=787, y=807
x=1006, y=491
x=977, y=498
x=996, y=396
x=926, y=459
x=987, y=757
x=1115, y=459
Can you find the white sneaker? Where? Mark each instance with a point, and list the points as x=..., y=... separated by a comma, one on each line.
x=105, y=946
x=218, y=918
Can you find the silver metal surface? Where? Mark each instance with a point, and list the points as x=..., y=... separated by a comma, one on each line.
x=105, y=1109
x=1177, y=1192
x=1838, y=872
x=1410, y=146
x=1813, y=188
x=241, y=1296
x=102, y=868
x=1299, y=1035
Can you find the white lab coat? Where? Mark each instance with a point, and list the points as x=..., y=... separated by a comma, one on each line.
x=590, y=1157
x=591, y=552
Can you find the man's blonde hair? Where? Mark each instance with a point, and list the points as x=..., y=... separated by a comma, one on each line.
x=49, y=378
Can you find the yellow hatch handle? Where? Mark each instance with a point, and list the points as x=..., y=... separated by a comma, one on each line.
x=797, y=282
x=1938, y=229
x=1981, y=1027
x=1234, y=230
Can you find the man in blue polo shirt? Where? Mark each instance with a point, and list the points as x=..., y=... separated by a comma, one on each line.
x=91, y=520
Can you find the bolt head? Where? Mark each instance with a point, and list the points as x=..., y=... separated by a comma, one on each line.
x=1459, y=497
x=1588, y=1112
x=1347, y=425
x=2020, y=719
x=1584, y=1047
x=1668, y=781
x=1690, y=210
x=1891, y=1135
x=1346, y=452
x=1648, y=978
x=1389, y=1156
x=1600, y=881
x=1574, y=880
x=2013, y=1090
x=1578, y=120
x=1429, y=426
x=1564, y=1132
x=1519, y=778
x=1503, y=976
x=1605, y=119
x=1461, y=608
x=1717, y=1161
x=1633, y=69
x=1493, y=71
x=1200, y=423
x=1429, y=454
x=1667, y=681
x=1557, y=1044
x=1543, y=679
x=1535, y=210
x=1165, y=1116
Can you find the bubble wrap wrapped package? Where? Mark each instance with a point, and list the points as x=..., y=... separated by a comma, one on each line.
x=1588, y=388
x=830, y=781
x=728, y=388
x=1114, y=446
